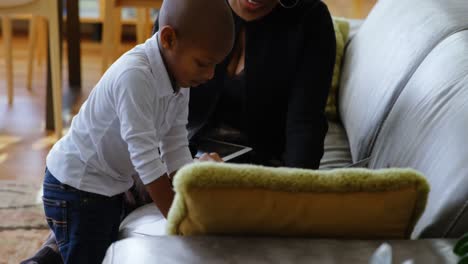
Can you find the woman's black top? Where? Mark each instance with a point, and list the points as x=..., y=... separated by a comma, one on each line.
x=289, y=60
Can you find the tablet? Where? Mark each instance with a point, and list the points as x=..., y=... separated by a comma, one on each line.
x=227, y=151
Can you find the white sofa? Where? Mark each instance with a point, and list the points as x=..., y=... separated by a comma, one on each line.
x=404, y=101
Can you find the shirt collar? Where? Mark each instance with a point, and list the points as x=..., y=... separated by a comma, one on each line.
x=158, y=68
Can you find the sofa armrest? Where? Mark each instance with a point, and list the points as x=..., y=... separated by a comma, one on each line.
x=204, y=249
x=354, y=26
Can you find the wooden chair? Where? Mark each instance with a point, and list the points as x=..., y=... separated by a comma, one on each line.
x=49, y=10
x=112, y=28
x=37, y=46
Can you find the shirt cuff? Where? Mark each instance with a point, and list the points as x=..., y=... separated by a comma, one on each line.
x=176, y=159
x=153, y=175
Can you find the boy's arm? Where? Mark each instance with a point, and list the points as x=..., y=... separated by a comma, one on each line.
x=174, y=144
x=161, y=191
x=162, y=194
x=135, y=102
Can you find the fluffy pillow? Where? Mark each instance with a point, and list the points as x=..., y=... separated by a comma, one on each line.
x=233, y=199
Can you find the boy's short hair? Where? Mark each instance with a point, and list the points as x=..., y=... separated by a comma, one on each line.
x=197, y=19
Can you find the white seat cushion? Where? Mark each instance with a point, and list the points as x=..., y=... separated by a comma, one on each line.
x=336, y=148
x=144, y=221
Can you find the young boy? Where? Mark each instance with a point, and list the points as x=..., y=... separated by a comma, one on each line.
x=133, y=122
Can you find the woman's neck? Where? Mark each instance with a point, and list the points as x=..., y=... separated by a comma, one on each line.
x=237, y=62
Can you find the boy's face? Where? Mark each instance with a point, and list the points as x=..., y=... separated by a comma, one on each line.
x=189, y=63
x=193, y=66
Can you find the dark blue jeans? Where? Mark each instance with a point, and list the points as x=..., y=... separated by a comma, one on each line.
x=84, y=224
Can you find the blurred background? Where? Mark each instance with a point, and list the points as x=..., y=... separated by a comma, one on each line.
x=24, y=139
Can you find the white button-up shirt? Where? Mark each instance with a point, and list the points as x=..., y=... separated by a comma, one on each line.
x=132, y=122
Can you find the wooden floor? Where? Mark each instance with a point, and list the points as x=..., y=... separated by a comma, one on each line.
x=24, y=143
x=358, y=9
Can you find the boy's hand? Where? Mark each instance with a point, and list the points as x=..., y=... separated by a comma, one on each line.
x=210, y=157
x=161, y=191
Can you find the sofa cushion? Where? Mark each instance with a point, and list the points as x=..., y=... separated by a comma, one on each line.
x=336, y=148
x=427, y=130
x=341, y=27
x=146, y=220
x=354, y=25
x=216, y=198
x=383, y=55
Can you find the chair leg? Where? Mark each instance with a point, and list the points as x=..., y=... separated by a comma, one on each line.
x=150, y=21
x=41, y=48
x=111, y=33
x=107, y=35
x=142, y=24
x=6, y=25
x=31, y=49
x=55, y=70
x=116, y=51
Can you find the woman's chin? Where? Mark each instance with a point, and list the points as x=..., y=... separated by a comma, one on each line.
x=252, y=10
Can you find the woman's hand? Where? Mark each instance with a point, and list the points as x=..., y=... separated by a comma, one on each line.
x=210, y=157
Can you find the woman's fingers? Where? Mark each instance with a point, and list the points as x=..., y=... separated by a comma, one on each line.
x=210, y=157
x=216, y=157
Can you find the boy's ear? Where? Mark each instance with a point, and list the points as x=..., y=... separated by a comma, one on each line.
x=168, y=37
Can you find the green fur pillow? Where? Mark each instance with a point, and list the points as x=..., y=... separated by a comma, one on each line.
x=233, y=199
x=341, y=33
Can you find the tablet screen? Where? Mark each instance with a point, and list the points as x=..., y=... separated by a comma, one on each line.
x=226, y=150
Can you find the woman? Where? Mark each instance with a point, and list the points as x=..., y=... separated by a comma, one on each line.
x=269, y=93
